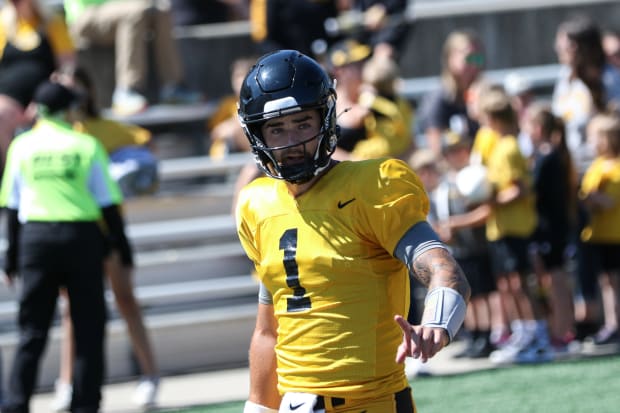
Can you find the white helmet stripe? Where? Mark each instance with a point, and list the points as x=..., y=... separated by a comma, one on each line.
x=284, y=105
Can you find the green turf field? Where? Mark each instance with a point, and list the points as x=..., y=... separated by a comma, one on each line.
x=581, y=386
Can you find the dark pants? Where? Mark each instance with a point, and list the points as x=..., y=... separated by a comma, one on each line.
x=53, y=255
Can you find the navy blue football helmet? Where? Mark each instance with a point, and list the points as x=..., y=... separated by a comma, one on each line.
x=282, y=83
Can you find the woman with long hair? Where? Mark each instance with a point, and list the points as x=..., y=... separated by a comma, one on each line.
x=462, y=61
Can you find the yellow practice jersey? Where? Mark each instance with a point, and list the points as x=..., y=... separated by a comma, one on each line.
x=326, y=258
x=506, y=166
x=604, y=225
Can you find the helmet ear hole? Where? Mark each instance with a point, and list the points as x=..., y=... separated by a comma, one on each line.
x=281, y=83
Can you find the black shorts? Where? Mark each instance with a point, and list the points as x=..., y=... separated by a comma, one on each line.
x=21, y=80
x=551, y=252
x=509, y=254
x=606, y=256
x=478, y=271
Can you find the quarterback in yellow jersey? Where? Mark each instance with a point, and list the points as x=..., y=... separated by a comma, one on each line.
x=333, y=245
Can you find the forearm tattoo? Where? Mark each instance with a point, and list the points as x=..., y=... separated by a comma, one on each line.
x=437, y=268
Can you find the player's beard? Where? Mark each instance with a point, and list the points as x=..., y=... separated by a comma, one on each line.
x=297, y=162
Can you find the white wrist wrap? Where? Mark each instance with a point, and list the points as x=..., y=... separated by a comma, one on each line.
x=251, y=407
x=444, y=307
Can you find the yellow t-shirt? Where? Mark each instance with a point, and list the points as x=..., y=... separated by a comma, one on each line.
x=326, y=258
x=507, y=165
x=27, y=37
x=604, y=225
x=484, y=143
x=113, y=135
x=388, y=127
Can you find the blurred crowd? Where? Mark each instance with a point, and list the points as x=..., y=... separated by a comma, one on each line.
x=525, y=191
x=524, y=188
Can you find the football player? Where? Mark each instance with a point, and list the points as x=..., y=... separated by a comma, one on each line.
x=333, y=244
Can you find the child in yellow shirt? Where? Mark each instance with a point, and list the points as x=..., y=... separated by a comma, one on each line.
x=600, y=193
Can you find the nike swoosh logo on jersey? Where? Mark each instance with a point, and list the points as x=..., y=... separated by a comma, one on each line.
x=297, y=406
x=344, y=204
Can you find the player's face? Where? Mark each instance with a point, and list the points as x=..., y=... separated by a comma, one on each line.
x=294, y=135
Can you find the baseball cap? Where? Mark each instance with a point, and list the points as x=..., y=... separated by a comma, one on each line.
x=346, y=52
x=452, y=140
x=55, y=97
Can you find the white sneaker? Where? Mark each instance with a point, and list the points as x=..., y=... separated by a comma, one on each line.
x=145, y=394
x=128, y=102
x=63, y=393
x=505, y=355
x=533, y=352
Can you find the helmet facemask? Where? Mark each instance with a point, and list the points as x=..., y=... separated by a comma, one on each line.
x=312, y=164
x=282, y=84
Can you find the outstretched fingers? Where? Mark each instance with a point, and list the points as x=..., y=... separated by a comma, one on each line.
x=419, y=341
x=410, y=343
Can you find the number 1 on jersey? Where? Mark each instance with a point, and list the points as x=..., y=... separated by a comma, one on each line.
x=288, y=243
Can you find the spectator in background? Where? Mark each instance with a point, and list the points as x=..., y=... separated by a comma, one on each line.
x=579, y=93
x=345, y=62
x=56, y=189
x=382, y=24
x=297, y=25
x=480, y=153
x=225, y=134
x=114, y=137
x=510, y=217
x=485, y=137
x=468, y=245
x=126, y=25
x=600, y=193
x=34, y=42
x=132, y=161
x=390, y=118
x=555, y=186
x=374, y=121
x=462, y=61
